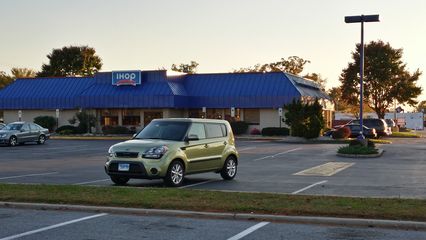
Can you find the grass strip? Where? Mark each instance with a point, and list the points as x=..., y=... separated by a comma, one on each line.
x=405, y=135
x=216, y=201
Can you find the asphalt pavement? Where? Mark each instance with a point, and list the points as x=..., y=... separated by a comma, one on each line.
x=265, y=166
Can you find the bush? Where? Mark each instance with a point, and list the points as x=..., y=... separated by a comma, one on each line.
x=68, y=128
x=357, y=150
x=66, y=132
x=115, y=130
x=314, y=127
x=255, y=131
x=274, y=131
x=46, y=122
x=239, y=127
x=353, y=143
x=341, y=133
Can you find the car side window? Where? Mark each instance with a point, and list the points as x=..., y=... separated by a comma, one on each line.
x=197, y=129
x=25, y=128
x=34, y=127
x=224, y=130
x=214, y=130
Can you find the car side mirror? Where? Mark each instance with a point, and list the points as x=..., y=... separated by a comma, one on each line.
x=134, y=135
x=191, y=137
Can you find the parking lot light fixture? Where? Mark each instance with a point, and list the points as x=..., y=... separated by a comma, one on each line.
x=361, y=19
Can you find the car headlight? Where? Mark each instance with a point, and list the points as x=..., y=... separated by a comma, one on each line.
x=155, y=152
x=111, y=153
x=3, y=135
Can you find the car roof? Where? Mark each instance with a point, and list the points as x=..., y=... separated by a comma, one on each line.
x=201, y=120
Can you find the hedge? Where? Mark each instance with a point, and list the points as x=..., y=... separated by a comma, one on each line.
x=275, y=131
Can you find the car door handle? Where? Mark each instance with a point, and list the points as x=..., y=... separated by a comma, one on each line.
x=206, y=146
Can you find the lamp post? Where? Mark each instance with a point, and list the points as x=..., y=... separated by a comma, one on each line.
x=361, y=19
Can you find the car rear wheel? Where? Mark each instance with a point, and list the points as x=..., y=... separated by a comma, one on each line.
x=41, y=139
x=13, y=141
x=229, y=170
x=119, y=180
x=175, y=174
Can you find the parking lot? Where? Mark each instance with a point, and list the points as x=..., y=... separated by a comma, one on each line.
x=265, y=166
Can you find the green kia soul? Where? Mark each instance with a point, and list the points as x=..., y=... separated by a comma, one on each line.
x=173, y=148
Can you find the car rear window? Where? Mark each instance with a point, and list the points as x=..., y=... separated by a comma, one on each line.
x=214, y=130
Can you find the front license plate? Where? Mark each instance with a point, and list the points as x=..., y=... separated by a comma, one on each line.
x=123, y=167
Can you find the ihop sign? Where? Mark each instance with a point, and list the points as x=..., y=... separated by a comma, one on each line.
x=122, y=78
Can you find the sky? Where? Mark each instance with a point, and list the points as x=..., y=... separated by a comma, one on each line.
x=221, y=35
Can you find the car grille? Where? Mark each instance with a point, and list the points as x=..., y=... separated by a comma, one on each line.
x=127, y=154
x=133, y=168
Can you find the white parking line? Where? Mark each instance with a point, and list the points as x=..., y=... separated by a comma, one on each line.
x=272, y=156
x=244, y=149
x=29, y=175
x=196, y=184
x=52, y=227
x=247, y=231
x=310, y=186
x=95, y=181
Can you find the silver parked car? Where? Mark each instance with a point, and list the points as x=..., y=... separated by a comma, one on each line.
x=2, y=125
x=21, y=132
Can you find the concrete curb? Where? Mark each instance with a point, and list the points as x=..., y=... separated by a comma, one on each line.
x=349, y=222
x=380, y=153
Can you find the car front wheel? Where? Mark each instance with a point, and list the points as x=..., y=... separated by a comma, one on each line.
x=175, y=174
x=41, y=139
x=119, y=180
x=13, y=141
x=229, y=170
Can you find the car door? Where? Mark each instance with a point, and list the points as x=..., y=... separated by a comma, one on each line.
x=34, y=132
x=217, y=143
x=24, y=133
x=197, y=152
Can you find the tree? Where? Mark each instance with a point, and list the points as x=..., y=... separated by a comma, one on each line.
x=292, y=64
x=386, y=78
x=421, y=107
x=305, y=120
x=5, y=79
x=23, y=73
x=186, y=68
x=316, y=77
x=71, y=61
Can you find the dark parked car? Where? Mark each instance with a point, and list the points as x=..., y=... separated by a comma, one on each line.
x=21, y=132
x=355, y=131
x=390, y=123
x=379, y=124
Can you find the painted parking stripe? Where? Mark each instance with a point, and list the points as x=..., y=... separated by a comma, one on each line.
x=196, y=184
x=247, y=231
x=277, y=154
x=95, y=181
x=326, y=170
x=52, y=227
x=29, y=175
x=308, y=187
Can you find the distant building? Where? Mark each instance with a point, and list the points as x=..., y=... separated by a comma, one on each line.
x=134, y=98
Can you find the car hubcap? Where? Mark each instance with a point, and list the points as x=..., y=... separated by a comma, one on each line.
x=41, y=139
x=177, y=174
x=231, y=168
x=13, y=141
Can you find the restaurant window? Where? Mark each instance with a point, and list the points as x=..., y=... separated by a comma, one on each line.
x=252, y=116
x=109, y=117
x=131, y=117
x=149, y=116
x=195, y=113
x=214, y=113
x=228, y=115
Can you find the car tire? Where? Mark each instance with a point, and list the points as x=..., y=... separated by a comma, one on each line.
x=175, y=174
x=229, y=169
x=41, y=139
x=119, y=180
x=13, y=141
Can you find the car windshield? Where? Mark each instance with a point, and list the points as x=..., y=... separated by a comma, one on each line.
x=13, y=126
x=174, y=131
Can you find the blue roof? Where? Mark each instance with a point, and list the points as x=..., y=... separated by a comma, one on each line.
x=44, y=93
x=157, y=90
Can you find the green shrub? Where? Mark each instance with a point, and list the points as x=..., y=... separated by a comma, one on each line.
x=305, y=119
x=46, y=122
x=341, y=133
x=65, y=132
x=115, y=130
x=68, y=128
x=274, y=131
x=357, y=150
x=314, y=127
x=85, y=122
x=239, y=127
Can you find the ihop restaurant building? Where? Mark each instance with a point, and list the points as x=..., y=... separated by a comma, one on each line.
x=134, y=98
